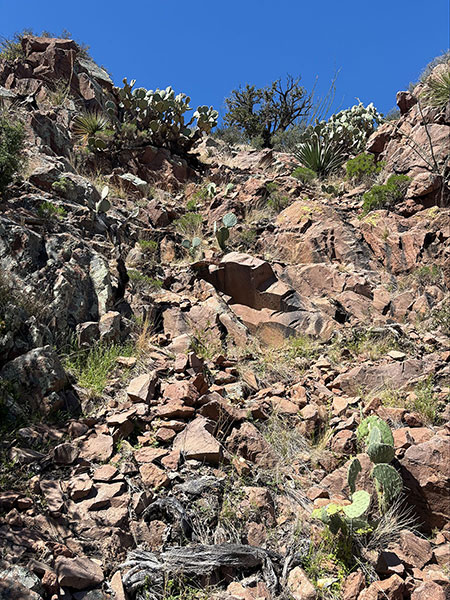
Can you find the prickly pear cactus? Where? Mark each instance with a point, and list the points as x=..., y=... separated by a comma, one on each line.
x=360, y=504
x=353, y=469
x=331, y=516
x=371, y=422
x=374, y=436
x=380, y=453
x=160, y=114
x=390, y=482
x=222, y=236
x=229, y=220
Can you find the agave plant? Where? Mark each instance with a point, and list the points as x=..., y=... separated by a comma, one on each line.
x=87, y=125
x=437, y=90
x=321, y=155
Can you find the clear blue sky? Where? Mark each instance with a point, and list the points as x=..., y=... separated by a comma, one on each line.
x=206, y=48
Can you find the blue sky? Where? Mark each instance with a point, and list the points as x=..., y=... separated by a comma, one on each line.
x=207, y=48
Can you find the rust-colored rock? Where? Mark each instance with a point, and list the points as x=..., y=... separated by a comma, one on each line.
x=392, y=588
x=426, y=473
x=300, y=586
x=248, y=442
x=142, y=388
x=153, y=477
x=197, y=442
x=97, y=448
x=78, y=573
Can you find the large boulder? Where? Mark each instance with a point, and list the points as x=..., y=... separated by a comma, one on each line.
x=34, y=376
x=426, y=474
x=267, y=306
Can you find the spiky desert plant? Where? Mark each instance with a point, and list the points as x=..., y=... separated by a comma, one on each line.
x=87, y=125
x=320, y=154
x=437, y=89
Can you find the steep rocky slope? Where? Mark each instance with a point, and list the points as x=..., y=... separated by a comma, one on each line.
x=171, y=418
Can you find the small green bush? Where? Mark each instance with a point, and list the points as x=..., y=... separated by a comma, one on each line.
x=438, y=60
x=304, y=174
x=192, y=205
x=384, y=196
x=47, y=210
x=11, y=48
x=189, y=225
x=12, y=139
x=440, y=318
x=247, y=238
x=393, y=114
x=230, y=135
x=148, y=246
x=63, y=187
x=362, y=166
x=276, y=202
x=286, y=141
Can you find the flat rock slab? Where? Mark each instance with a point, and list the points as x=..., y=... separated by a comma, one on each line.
x=78, y=573
x=148, y=454
x=98, y=448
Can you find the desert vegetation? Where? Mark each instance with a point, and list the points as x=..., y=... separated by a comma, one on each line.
x=224, y=353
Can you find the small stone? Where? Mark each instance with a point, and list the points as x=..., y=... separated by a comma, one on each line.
x=77, y=429
x=353, y=585
x=105, y=473
x=65, y=454
x=24, y=503
x=165, y=435
x=52, y=494
x=196, y=442
x=396, y=355
x=429, y=590
x=142, y=388
x=172, y=460
x=7, y=500
x=414, y=551
x=80, y=487
x=149, y=454
x=117, y=586
x=126, y=361
x=98, y=448
x=300, y=586
x=153, y=477
x=392, y=588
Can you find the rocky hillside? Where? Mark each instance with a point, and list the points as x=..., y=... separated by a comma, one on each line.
x=218, y=380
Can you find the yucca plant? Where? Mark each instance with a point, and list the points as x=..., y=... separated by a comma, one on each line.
x=319, y=154
x=87, y=125
x=437, y=89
